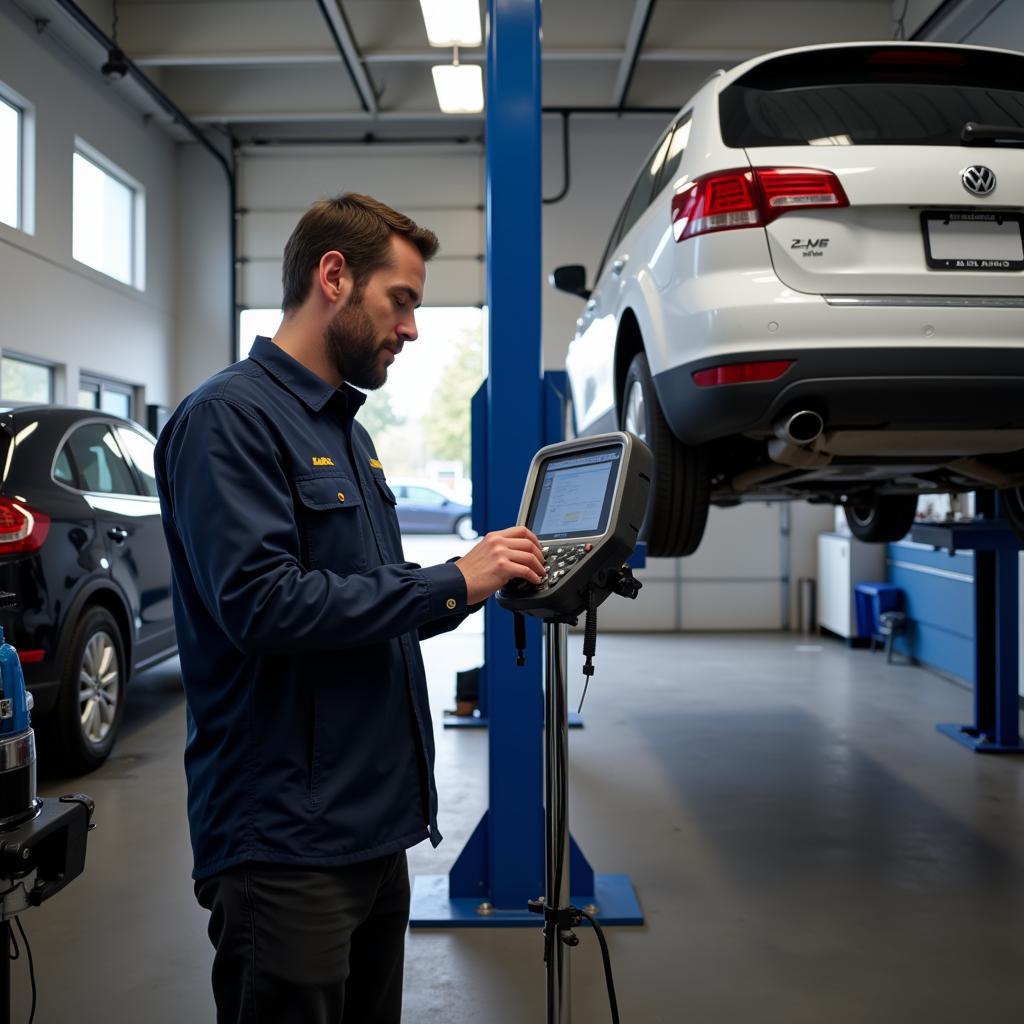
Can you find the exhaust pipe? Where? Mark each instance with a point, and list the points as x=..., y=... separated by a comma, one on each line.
x=800, y=428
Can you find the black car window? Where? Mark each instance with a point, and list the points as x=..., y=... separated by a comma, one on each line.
x=425, y=496
x=868, y=95
x=63, y=471
x=101, y=464
x=140, y=450
x=674, y=153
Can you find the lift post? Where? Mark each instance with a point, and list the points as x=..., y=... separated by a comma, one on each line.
x=996, y=548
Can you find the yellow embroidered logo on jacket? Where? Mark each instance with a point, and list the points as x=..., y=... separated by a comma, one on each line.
x=375, y=464
x=322, y=460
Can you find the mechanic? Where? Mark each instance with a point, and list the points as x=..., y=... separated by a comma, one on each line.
x=309, y=755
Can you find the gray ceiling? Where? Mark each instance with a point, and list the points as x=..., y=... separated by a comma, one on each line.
x=272, y=69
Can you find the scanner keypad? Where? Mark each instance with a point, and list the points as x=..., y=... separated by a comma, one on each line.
x=558, y=560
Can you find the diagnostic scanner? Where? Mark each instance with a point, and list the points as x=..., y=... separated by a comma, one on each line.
x=585, y=500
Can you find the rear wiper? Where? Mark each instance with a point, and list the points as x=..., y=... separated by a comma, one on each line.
x=973, y=133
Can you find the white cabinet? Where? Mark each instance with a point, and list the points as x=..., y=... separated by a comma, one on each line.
x=843, y=562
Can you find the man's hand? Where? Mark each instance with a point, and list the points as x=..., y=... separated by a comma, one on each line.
x=501, y=556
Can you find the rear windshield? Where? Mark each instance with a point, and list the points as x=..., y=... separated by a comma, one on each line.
x=872, y=96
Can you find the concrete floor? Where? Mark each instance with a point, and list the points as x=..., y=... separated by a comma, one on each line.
x=806, y=848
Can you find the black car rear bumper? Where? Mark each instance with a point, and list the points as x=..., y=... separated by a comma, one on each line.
x=961, y=388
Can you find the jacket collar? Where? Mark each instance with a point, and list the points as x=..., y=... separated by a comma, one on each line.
x=314, y=391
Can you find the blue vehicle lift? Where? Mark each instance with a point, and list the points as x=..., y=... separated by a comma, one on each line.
x=996, y=547
x=502, y=865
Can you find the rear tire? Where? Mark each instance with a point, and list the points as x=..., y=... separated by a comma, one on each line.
x=90, y=704
x=464, y=528
x=881, y=518
x=677, y=509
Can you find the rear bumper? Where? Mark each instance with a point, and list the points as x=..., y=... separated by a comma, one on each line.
x=867, y=388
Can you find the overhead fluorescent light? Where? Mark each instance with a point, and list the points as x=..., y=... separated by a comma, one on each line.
x=452, y=22
x=459, y=87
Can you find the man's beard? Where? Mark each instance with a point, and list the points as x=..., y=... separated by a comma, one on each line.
x=354, y=348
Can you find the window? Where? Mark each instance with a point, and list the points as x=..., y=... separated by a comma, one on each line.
x=872, y=95
x=253, y=322
x=425, y=496
x=674, y=154
x=107, y=218
x=105, y=395
x=101, y=464
x=10, y=164
x=140, y=450
x=25, y=380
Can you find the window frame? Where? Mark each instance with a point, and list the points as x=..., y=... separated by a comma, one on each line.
x=137, y=227
x=102, y=384
x=18, y=357
x=26, y=161
x=76, y=487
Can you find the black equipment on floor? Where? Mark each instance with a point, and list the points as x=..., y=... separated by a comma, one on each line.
x=585, y=500
x=42, y=842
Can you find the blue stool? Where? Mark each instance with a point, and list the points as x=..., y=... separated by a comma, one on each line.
x=880, y=613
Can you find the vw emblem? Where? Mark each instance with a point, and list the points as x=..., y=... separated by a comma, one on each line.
x=979, y=180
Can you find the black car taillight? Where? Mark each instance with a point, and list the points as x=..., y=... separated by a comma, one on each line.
x=22, y=528
x=751, y=197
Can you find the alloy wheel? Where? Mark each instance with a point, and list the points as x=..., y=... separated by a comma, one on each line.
x=99, y=687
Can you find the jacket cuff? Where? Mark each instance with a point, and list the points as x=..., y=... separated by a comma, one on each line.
x=447, y=590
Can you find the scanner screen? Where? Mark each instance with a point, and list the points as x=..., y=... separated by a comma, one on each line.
x=574, y=495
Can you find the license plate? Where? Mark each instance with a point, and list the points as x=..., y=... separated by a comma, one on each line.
x=973, y=240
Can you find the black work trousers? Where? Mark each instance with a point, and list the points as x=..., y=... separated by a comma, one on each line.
x=295, y=946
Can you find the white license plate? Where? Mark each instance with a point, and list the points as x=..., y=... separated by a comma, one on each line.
x=973, y=240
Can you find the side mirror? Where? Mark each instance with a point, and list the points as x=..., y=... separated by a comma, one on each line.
x=571, y=279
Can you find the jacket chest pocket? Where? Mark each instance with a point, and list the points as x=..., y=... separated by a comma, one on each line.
x=331, y=524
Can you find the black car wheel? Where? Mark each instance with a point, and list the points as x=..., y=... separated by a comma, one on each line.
x=464, y=528
x=90, y=704
x=677, y=510
x=879, y=518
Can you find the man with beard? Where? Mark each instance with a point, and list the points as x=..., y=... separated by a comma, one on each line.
x=309, y=755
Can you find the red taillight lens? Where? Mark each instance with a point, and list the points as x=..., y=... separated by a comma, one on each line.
x=923, y=56
x=741, y=373
x=22, y=529
x=31, y=657
x=798, y=188
x=751, y=198
x=716, y=202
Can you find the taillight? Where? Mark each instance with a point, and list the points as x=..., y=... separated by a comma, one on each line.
x=741, y=373
x=22, y=529
x=751, y=197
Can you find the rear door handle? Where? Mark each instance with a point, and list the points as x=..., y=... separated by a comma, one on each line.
x=118, y=534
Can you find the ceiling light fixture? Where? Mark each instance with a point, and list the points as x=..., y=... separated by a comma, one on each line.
x=116, y=66
x=452, y=22
x=459, y=87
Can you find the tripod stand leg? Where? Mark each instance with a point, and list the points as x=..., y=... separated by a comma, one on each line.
x=5, y=972
x=556, y=819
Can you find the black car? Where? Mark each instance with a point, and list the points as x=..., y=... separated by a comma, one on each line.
x=82, y=549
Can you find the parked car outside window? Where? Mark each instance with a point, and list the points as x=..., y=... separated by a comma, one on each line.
x=815, y=290
x=424, y=509
x=83, y=551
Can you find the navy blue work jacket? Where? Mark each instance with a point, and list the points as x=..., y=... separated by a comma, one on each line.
x=298, y=621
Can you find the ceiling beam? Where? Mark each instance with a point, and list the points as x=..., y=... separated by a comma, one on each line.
x=257, y=58
x=642, y=10
x=344, y=40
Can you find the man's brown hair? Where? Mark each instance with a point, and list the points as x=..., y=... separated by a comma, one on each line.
x=360, y=228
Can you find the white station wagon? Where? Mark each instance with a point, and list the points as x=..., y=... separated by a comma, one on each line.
x=815, y=289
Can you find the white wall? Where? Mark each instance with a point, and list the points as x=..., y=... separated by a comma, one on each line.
x=57, y=309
